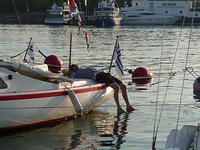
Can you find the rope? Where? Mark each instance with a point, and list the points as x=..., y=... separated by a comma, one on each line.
x=18, y=54
x=190, y=70
x=155, y=132
x=171, y=75
x=186, y=62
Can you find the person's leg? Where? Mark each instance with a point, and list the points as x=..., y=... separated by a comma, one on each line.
x=116, y=97
x=107, y=79
x=123, y=88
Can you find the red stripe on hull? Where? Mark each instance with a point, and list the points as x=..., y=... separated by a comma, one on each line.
x=46, y=95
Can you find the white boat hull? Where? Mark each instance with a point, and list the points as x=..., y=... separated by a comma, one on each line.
x=146, y=20
x=56, y=21
x=22, y=112
x=29, y=102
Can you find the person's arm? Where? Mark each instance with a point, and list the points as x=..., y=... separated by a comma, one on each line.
x=65, y=72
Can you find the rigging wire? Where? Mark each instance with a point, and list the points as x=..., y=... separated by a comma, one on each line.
x=157, y=95
x=167, y=87
x=17, y=14
x=158, y=87
x=19, y=20
x=186, y=62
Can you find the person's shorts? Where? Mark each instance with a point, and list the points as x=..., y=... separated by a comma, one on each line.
x=107, y=78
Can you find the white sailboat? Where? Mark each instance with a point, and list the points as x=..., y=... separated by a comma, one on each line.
x=31, y=95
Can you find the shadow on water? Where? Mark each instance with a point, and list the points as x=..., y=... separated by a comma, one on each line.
x=97, y=130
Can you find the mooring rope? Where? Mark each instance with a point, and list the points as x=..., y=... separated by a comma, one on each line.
x=19, y=54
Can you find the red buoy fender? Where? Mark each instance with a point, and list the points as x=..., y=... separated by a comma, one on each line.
x=54, y=63
x=141, y=76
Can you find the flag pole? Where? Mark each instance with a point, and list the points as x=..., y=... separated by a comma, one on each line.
x=113, y=55
x=42, y=54
x=70, y=54
x=27, y=49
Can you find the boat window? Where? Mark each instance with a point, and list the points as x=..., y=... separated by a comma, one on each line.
x=147, y=14
x=133, y=16
x=181, y=12
x=166, y=12
x=196, y=14
x=3, y=85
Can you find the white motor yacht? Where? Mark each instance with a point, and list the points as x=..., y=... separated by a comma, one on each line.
x=141, y=13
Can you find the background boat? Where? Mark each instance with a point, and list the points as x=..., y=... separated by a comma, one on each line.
x=140, y=13
x=106, y=14
x=172, y=11
x=147, y=18
x=60, y=15
x=40, y=99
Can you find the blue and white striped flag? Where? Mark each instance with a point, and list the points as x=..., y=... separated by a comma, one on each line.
x=118, y=62
x=31, y=51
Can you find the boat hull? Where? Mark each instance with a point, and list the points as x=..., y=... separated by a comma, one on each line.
x=189, y=20
x=26, y=101
x=38, y=108
x=145, y=20
x=106, y=21
x=56, y=21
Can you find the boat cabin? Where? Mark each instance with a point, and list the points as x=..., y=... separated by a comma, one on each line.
x=106, y=8
x=162, y=7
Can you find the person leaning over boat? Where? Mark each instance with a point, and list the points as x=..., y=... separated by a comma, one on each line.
x=108, y=79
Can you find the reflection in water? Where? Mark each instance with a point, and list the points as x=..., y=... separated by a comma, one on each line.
x=96, y=131
x=120, y=129
x=111, y=137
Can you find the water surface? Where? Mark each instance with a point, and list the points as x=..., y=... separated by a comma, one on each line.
x=103, y=129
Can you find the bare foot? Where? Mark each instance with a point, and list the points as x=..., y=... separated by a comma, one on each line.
x=129, y=108
x=120, y=111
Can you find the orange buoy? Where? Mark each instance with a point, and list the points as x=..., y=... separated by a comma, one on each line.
x=141, y=76
x=54, y=63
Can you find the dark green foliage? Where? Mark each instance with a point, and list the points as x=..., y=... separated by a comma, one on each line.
x=7, y=6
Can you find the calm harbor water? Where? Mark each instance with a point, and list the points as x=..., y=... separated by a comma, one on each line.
x=103, y=129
